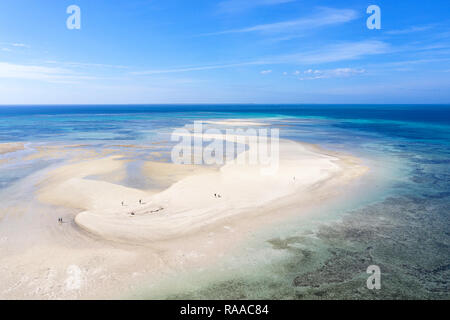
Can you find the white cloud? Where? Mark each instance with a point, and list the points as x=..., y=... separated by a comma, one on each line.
x=409, y=30
x=22, y=45
x=9, y=70
x=331, y=73
x=233, y=6
x=325, y=17
x=337, y=52
x=332, y=53
x=266, y=71
x=195, y=68
x=408, y=62
x=7, y=46
x=86, y=65
x=41, y=73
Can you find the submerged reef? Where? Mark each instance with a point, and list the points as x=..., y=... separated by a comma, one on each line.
x=407, y=237
x=406, y=234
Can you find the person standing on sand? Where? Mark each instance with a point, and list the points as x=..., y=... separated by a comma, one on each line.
x=140, y=201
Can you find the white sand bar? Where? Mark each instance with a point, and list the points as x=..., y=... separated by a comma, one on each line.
x=190, y=204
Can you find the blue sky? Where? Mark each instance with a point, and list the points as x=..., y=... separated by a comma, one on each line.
x=224, y=51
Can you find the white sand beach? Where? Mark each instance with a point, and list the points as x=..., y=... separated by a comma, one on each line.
x=202, y=213
x=189, y=204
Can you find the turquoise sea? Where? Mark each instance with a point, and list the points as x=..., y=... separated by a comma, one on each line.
x=398, y=218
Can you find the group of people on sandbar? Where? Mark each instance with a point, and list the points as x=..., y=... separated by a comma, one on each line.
x=140, y=202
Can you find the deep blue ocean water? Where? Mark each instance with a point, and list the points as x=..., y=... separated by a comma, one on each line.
x=404, y=228
x=125, y=122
